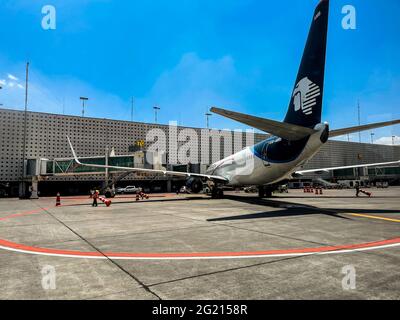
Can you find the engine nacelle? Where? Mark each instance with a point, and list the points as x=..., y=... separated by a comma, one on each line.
x=194, y=185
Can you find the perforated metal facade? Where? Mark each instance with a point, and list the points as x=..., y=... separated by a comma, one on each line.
x=46, y=138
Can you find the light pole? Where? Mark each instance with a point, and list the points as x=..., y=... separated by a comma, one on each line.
x=359, y=119
x=156, y=109
x=372, y=138
x=22, y=186
x=208, y=115
x=393, y=139
x=83, y=99
x=0, y=89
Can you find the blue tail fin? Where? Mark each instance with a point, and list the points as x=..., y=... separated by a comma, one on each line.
x=305, y=106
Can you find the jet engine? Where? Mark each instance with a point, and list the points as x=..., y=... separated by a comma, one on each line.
x=194, y=185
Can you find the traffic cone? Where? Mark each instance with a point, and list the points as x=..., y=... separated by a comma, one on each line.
x=105, y=201
x=58, y=200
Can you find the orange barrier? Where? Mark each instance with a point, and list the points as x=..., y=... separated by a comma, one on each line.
x=58, y=200
x=142, y=195
x=369, y=194
x=105, y=201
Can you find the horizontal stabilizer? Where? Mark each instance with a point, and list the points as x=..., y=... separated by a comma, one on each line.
x=341, y=132
x=283, y=130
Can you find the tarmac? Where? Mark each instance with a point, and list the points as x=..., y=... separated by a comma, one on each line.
x=292, y=246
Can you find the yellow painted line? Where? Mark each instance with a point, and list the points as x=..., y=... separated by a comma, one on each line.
x=374, y=217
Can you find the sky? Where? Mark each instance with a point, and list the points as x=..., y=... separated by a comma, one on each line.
x=188, y=55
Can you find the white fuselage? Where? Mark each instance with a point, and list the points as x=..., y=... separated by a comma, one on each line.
x=246, y=169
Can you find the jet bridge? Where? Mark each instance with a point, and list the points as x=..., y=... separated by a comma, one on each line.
x=41, y=169
x=68, y=167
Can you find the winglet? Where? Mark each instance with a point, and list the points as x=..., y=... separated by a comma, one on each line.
x=73, y=151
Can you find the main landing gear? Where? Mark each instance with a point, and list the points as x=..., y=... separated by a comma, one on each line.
x=264, y=192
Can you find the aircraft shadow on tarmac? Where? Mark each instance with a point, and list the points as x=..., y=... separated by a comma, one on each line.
x=288, y=209
x=291, y=209
x=338, y=197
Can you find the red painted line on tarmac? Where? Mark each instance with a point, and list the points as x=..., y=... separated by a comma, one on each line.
x=18, y=246
x=8, y=245
x=23, y=214
x=76, y=253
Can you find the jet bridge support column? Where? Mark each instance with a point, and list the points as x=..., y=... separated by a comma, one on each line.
x=169, y=185
x=33, y=189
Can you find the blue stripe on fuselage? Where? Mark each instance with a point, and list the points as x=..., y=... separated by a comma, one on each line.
x=264, y=145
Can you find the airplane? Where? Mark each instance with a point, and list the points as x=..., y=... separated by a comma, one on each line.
x=290, y=144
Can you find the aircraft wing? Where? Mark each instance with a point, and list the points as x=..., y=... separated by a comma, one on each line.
x=326, y=170
x=281, y=129
x=150, y=171
x=341, y=132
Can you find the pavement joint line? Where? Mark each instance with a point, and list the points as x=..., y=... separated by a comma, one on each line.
x=118, y=235
x=241, y=268
x=99, y=251
x=256, y=231
x=274, y=234
x=224, y=270
x=153, y=231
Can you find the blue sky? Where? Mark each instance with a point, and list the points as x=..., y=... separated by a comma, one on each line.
x=186, y=56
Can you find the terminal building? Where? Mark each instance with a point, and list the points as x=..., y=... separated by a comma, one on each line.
x=47, y=165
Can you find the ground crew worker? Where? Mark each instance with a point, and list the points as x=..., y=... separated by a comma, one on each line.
x=95, y=196
x=357, y=189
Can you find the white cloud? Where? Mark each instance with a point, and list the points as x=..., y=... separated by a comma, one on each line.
x=388, y=140
x=61, y=93
x=187, y=91
x=3, y=82
x=11, y=77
